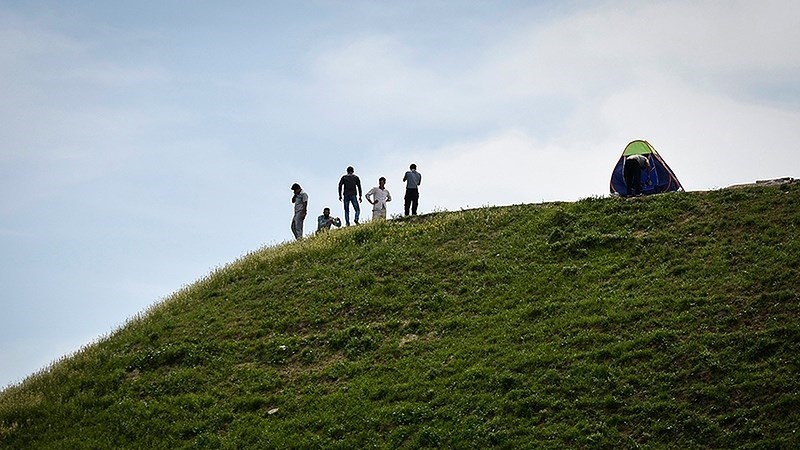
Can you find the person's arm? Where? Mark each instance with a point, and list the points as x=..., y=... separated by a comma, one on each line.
x=358, y=186
x=369, y=194
x=405, y=176
x=388, y=196
x=341, y=183
x=419, y=178
x=304, y=200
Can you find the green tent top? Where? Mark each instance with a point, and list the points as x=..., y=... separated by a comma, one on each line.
x=638, y=148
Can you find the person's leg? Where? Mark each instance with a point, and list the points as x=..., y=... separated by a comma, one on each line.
x=628, y=175
x=414, y=202
x=357, y=207
x=297, y=231
x=407, y=201
x=348, y=201
x=347, y=210
x=626, y=179
x=637, y=181
x=300, y=226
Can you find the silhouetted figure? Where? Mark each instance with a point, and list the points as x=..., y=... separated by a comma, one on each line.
x=300, y=200
x=413, y=179
x=352, y=186
x=632, y=171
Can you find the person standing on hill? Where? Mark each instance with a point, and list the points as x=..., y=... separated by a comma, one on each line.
x=378, y=196
x=352, y=186
x=413, y=179
x=300, y=200
x=632, y=171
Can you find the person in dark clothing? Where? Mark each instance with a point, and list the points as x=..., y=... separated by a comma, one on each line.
x=349, y=188
x=413, y=179
x=632, y=171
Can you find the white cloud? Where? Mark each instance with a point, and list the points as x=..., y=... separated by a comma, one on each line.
x=601, y=48
x=563, y=71
x=509, y=167
x=377, y=78
x=716, y=34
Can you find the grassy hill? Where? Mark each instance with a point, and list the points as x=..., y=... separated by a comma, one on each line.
x=662, y=322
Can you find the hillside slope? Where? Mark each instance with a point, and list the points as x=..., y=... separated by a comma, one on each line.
x=661, y=322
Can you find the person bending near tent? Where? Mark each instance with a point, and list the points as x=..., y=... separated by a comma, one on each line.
x=632, y=171
x=352, y=186
x=300, y=200
x=325, y=221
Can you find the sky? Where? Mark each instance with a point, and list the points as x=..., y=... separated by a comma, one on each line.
x=145, y=144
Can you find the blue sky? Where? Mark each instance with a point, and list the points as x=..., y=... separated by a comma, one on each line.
x=144, y=144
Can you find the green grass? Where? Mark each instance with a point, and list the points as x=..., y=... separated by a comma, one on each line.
x=662, y=322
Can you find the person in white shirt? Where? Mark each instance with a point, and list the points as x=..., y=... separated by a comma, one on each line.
x=378, y=197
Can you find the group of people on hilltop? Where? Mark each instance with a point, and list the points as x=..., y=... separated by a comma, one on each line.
x=350, y=193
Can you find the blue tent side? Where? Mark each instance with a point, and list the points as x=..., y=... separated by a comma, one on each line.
x=618, y=179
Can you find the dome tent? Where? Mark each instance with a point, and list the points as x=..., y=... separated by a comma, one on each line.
x=662, y=178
